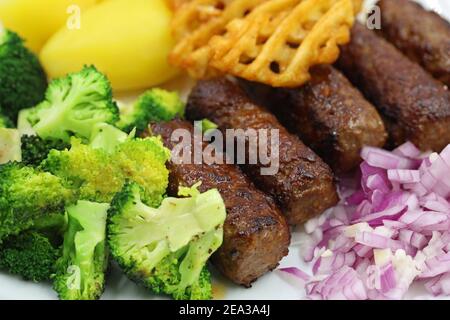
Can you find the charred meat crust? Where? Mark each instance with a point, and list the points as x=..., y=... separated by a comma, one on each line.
x=422, y=35
x=256, y=235
x=413, y=104
x=330, y=115
x=303, y=186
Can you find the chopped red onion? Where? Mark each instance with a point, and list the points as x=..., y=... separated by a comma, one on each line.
x=417, y=240
x=378, y=182
x=363, y=251
x=434, y=205
x=376, y=219
x=342, y=244
x=436, y=266
x=408, y=150
x=386, y=160
x=329, y=263
x=439, y=285
x=296, y=272
x=381, y=279
x=375, y=241
x=339, y=285
x=393, y=230
x=403, y=176
x=445, y=155
x=356, y=198
x=387, y=278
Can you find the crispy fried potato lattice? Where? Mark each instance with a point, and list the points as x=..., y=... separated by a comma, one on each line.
x=274, y=42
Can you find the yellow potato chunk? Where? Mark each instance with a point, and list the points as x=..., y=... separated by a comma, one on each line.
x=128, y=40
x=37, y=20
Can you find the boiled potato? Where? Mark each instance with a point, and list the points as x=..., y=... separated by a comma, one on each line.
x=127, y=40
x=37, y=20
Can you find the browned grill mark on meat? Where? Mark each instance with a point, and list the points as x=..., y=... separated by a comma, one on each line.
x=330, y=115
x=304, y=185
x=414, y=105
x=256, y=235
x=422, y=35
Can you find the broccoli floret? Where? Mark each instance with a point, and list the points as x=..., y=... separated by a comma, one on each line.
x=108, y=137
x=98, y=175
x=35, y=149
x=144, y=161
x=23, y=125
x=154, y=105
x=208, y=125
x=80, y=271
x=89, y=172
x=30, y=255
x=166, y=249
x=22, y=78
x=29, y=197
x=9, y=145
x=52, y=226
x=5, y=122
x=73, y=105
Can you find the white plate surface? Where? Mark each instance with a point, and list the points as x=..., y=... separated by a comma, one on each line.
x=271, y=286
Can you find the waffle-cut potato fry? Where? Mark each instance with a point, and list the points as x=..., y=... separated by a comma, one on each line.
x=357, y=5
x=191, y=14
x=270, y=41
x=177, y=4
x=280, y=40
x=192, y=51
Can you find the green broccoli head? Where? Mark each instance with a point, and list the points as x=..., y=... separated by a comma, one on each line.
x=5, y=122
x=29, y=197
x=80, y=271
x=91, y=173
x=170, y=259
x=208, y=125
x=23, y=125
x=73, y=105
x=30, y=255
x=154, y=105
x=22, y=78
x=35, y=149
x=97, y=174
x=144, y=161
x=108, y=137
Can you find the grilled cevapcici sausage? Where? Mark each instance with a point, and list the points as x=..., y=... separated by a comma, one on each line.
x=328, y=113
x=414, y=105
x=303, y=185
x=422, y=35
x=256, y=235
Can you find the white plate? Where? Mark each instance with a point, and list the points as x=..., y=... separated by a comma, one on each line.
x=271, y=286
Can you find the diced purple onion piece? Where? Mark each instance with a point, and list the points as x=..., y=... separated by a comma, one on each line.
x=401, y=213
x=296, y=272
x=408, y=150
